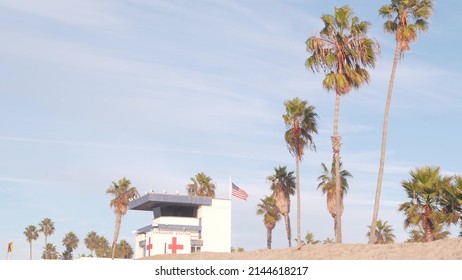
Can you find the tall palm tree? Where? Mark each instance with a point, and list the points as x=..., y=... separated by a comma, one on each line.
x=343, y=51
x=91, y=242
x=327, y=183
x=271, y=215
x=47, y=226
x=405, y=18
x=70, y=242
x=31, y=234
x=123, y=192
x=283, y=186
x=301, y=123
x=384, y=233
x=425, y=191
x=201, y=185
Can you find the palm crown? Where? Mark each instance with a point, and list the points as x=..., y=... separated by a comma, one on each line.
x=202, y=185
x=300, y=120
x=342, y=50
x=405, y=18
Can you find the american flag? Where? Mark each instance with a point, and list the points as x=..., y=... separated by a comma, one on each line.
x=239, y=193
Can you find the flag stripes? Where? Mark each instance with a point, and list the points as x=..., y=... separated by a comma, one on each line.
x=238, y=192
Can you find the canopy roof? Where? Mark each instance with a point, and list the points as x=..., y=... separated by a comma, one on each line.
x=150, y=201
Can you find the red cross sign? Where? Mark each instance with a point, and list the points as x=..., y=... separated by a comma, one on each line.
x=149, y=247
x=175, y=246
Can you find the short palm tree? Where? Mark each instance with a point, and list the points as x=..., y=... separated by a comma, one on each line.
x=342, y=51
x=124, y=250
x=328, y=240
x=405, y=18
x=309, y=238
x=301, y=124
x=50, y=252
x=70, y=242
x=123, y=193
x=47, y=227
x=283, y=186
x=102, y=249
x=267, y=208
x=91, y=242
x=418, y=234
x=452, y=201
x=31, y=234
x=202, y=185
x=425, y=190
x=384, y=233
x=327, y=185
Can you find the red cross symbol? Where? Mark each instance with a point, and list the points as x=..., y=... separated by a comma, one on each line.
x=149, y=247
x=175, y=246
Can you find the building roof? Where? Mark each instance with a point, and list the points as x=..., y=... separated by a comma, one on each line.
x=150, y=201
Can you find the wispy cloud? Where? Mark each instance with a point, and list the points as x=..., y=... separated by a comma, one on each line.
x=84, y=13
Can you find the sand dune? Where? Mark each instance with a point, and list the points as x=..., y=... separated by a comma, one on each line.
x=449, y=249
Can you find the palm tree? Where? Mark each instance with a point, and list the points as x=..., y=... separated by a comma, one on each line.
x=201, y=185
x=425, y=191
x=91, y=242
x=49, y=252
x=124, y=250
x=123, y=192
x=384, y=233
x=70, y=242
x=102, y=249
x=328, y=240
x=283, y=186
x=452, y=201
x=47, y=226
x=405, y=18
x=327, y=183
x=267, y=208
x=342, y=51
x=419, y=235
x=301, y=123
x=31, y=234
x=309, y=238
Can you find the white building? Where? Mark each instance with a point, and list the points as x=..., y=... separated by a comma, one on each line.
x=183, y=224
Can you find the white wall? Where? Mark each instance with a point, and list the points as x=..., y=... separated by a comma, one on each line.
x=216, y=226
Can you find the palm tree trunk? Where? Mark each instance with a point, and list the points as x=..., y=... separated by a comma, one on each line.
x=30, y=249
x=46, y=242
x=289, y=231
x=116, y=233
x=269, y=237
x=336, y=143
x=428, y=225
x=297, y=170
x=384, y=146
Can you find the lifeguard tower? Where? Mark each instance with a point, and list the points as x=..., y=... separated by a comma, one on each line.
x=183, y=224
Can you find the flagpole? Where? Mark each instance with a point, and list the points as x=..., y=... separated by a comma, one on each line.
x=230, y=211
x=230, y=187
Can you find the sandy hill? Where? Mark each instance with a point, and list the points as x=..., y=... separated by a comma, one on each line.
x=449, y=249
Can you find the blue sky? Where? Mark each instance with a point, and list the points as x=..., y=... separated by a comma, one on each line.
x=157, y=91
